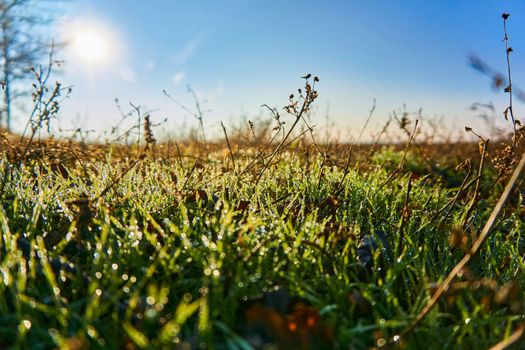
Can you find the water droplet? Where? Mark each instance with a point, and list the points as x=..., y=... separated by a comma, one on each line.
x=26, y=324
x=151, y=313
x=91, y=332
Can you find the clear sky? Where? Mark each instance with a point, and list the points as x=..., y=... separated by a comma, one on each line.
x=239, y=54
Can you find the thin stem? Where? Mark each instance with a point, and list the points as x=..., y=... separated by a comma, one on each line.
x=508, y=50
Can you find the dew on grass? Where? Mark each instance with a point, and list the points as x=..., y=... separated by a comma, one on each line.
x=26, y=324
x=91, y=332
x=53, y=332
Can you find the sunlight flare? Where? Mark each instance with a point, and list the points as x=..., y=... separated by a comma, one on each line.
x=91, y=43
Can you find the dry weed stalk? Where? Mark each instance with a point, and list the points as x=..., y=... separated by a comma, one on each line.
x=197, y=114
x=46, y=103
x=229, y=148
x=471, y=253
x=297, y=109
x=484, y=234
x=483, y=145
x=509, y=110
x=513, y=338
x=148, y=134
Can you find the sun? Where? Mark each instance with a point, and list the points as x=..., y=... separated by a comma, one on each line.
x=91, y=43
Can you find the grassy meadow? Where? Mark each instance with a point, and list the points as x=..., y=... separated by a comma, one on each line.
x=282, y=244
x=266, y=238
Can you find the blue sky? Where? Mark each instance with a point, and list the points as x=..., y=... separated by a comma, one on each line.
x=239, y=54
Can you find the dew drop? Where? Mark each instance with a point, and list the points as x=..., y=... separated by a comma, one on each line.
x=26, y=324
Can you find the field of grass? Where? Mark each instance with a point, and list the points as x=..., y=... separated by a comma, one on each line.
x=225, y=248
x=267, y=238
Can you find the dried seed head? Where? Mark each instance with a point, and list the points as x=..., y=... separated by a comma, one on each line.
x=150, y=139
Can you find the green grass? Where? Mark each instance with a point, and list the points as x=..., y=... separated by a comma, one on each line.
x=189, y=256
